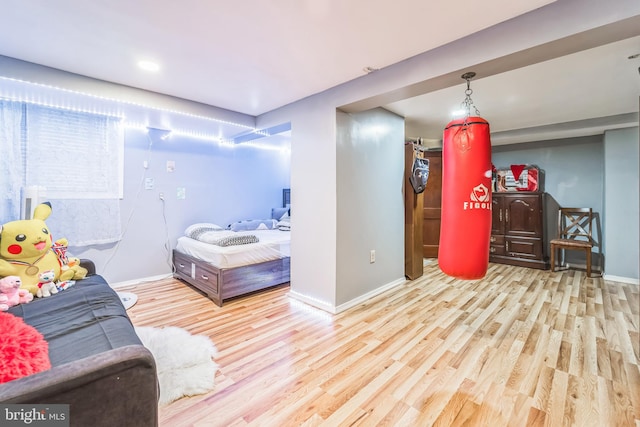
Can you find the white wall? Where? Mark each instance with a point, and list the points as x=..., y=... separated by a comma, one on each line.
x=621, y=200
x=313, y=205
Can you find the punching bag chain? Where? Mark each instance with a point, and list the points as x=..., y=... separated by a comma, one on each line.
x=468, y=102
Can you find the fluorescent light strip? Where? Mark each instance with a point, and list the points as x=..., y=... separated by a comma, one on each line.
x=63, y=107
x=206, y=137
x=144, y=128
x=198, y=135
x=226, y=142
x=190, y=134
x=135, y=104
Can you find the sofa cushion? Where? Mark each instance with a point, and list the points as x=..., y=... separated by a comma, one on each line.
x=85, y=319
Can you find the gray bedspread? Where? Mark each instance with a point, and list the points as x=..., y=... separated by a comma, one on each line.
x=83, y=320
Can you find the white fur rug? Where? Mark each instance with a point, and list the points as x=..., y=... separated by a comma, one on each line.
x=183, y=361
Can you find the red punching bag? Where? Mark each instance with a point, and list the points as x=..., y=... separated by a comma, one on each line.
x=465, y=228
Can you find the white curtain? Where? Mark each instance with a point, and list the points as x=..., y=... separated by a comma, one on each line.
x=85, y=222
x=12, y=162
x=78, y=158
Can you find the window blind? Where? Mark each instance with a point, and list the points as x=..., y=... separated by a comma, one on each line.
x=75, y=155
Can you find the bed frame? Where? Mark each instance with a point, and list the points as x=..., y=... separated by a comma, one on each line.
x=221, y=284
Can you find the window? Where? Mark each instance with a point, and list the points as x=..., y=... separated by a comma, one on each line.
x=76, y=156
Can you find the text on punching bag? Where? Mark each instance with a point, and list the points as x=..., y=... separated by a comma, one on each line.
x=479, y=199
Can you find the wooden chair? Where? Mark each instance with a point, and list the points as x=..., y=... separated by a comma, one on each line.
x=574, y=233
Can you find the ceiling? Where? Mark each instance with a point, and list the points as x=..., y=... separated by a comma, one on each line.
x=591, y=90
x=255, y=59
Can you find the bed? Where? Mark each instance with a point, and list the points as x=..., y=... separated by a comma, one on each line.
x=245, y=257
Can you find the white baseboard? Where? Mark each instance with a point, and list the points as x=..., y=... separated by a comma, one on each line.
x=141, y=280
x=621, y=279
x=322, y=305
x=605, y=276
x=369, y=295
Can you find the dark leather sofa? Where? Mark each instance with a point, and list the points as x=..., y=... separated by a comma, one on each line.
x=99, y=366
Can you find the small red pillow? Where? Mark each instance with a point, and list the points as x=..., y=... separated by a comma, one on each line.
x=23, y=350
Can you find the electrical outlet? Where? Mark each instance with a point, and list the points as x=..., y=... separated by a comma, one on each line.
x=181, y=193
x=372, y=256
x=161, y=196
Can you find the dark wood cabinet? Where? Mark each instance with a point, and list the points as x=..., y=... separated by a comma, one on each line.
x=517, y=230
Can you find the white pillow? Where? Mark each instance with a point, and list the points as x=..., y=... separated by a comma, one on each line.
x=201, y=227
x=284, y=224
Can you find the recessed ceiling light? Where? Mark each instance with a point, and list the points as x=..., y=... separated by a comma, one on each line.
x=148, y=65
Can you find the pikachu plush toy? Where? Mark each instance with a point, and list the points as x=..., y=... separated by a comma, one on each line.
x=26, y=251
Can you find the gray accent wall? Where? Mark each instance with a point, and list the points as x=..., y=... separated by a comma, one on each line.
x=600, y=172
x=573, y=168
x=572, y=176
x=370, y=171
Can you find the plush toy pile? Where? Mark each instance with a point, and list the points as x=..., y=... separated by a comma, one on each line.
x=28, y=251
x=11, y=294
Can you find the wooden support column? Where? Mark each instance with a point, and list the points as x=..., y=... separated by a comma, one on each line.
x=413, y=206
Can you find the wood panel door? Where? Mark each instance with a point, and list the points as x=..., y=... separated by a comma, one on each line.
x=497, y=215
x=432, y=205
x=523, y=215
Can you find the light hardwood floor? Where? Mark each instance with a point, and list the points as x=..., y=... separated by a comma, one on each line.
x=521, y=347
